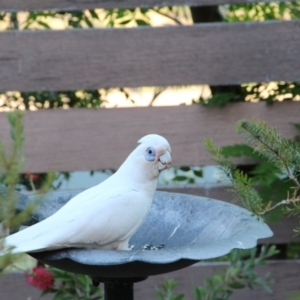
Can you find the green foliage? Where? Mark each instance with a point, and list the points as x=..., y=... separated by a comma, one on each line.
x=70, y=286
x=166, y=291
x=268, y=92
x=278, y=172
x=33, y=182
x=295, y=295
x=267, y=177
x=187, y=174
x=86, y=18
x=270, y=144
x=271, y=92
x=262, y=11
x=123, y=17
x=293, y=251
x=11, y=163
x=239, y=274
x=275, y=180
x=10, y=166
x=240, y=150
x=221, y=99
x=59, y=99
x=241, y=182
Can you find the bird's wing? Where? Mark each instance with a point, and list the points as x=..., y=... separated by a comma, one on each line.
x=87, y=219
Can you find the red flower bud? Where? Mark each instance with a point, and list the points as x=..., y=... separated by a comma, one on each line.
x=40, y=278
x=33, y=177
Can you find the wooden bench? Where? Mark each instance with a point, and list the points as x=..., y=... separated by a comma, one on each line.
x=89, y=139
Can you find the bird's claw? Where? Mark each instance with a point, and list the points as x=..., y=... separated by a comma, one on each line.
x=151, y=247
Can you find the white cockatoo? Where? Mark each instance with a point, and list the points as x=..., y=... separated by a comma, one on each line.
x=107, y=215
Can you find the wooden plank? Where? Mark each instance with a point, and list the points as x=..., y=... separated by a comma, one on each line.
x=85, y=139
x=61, y=5
x=14, y=286
x=216, y=54
x=282, y=228
x=285, y=274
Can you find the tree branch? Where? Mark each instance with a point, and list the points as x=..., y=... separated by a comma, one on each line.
x=291, y=176
x=283, y=202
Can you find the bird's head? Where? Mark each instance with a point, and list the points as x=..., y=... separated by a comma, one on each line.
x=156, y=150
x=148, y=159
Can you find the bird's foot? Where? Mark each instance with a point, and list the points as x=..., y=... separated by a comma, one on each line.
x=152, y=247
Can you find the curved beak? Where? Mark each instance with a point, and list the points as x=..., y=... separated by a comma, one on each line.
x=165, y=161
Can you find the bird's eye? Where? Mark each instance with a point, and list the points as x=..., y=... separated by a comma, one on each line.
x=150, y=154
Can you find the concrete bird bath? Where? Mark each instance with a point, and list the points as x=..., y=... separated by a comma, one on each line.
x=184, y=228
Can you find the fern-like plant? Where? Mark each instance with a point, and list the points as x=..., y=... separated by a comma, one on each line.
x=280, y=154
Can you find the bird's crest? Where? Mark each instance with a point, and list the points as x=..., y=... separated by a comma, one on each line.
x=155, y=139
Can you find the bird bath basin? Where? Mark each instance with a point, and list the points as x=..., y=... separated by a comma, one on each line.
x=187, y=228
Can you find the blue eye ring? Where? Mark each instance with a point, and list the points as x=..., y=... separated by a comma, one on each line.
x=150, y=154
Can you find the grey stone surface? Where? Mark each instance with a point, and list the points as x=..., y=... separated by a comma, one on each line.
x=191, y=228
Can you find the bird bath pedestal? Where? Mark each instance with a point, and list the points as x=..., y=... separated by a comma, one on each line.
x=184, y=228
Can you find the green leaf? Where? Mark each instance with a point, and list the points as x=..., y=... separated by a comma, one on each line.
x=297, y=126
x=11, y=118
x=184, y=168
x=180, y=178
x=240, y=150
x=221, y=99
x=179, y=297
x=93, y=14
x=199, y=292
x=88, y=22
x=141, y=22
x=121, y=13
x=159, y=294
x=237, y=285
x=125, y=22
x=191, y=180
x=60, y=296
x=13, y=135
x=144, y=10
x=265, y=173
x=45, y=25
x=64, y=277
x=198, y=173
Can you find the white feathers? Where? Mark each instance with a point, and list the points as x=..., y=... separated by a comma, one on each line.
x=107, y=215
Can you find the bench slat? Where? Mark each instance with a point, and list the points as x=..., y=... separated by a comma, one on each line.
x=216, y=54
x=19, y=5
x=85, y=139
